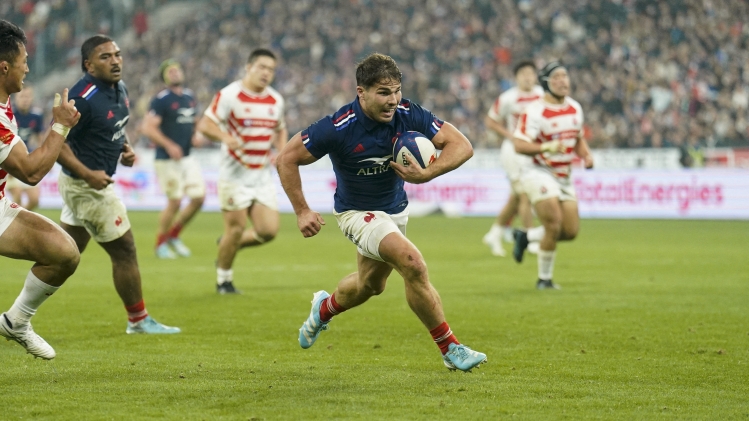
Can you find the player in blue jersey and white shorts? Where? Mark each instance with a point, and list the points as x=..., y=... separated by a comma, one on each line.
x=89, y=159
x=370, y=201
x=170, y=124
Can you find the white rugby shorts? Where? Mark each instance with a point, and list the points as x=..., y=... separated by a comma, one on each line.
x=235, y=196
x=541, y=185
x=180, y=178
x=367, y=229
x=8, y=212
x=100, y=212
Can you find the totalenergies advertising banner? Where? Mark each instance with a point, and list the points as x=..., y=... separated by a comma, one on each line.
x=632, y=193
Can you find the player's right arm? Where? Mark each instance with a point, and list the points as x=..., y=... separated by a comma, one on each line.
x=288, y=161
x=529, y=127
x=217, y=113
x=496, y=116
x=97, y=179
x=32, y=167
x=151, y=128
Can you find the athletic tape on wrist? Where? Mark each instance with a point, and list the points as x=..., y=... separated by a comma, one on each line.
x=61, y=130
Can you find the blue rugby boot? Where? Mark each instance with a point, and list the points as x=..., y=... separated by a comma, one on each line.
x=312, y=327
x=460, y=357
x=179, y=247
x=151, y=326
x=521, y=243
x=164, y=252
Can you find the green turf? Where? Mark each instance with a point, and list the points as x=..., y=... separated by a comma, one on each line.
x=651, y=323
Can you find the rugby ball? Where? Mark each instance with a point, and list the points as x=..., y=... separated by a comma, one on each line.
x=415, y=144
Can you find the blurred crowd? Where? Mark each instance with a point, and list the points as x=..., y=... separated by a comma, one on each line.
x=671, y=73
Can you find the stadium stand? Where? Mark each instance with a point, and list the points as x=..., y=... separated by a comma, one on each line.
x=673, y=73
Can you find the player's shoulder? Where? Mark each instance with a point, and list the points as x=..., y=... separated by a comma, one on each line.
x=538, y=90
x=163, y=94
x=536, y=107
x=274, y=93
x=83, y=88
x=188, y=92
x=509, y=95
x=341, y=118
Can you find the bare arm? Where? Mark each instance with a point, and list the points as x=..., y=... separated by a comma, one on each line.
x=497, y=127
x=211, y=130
x=32, y=167
x=151, y=128
x=291, y=157
x=582, y=150
x=456, y=149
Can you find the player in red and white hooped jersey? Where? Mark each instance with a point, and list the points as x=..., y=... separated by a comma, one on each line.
x=551, y=131
x=247, y=117
x=502, y=118
x=23, y=234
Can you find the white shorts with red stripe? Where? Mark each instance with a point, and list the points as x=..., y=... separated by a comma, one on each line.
x=368, y=229
x=540, y=185
x=180, y=178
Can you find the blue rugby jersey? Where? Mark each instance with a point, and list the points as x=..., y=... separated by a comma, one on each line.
x=30, y=123
x=98, y=137
x=361, y=150
x=177, y=114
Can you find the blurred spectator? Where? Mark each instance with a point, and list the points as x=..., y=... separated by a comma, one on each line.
x=670, y=73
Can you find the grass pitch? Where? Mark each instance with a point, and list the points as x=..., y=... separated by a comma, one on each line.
x=651, y=323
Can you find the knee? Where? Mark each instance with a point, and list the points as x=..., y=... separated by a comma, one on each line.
x=570, y=234
x=553, y=227
x=234, y=232
x=372, y=290
x=68, y=257
x=265, y=236
x=415, y=268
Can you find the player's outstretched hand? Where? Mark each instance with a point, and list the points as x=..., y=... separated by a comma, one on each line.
x=309, y=223
x=588, y=161
x=128, y=155
x=64, y=111
x=98, y=179
x=412, y=173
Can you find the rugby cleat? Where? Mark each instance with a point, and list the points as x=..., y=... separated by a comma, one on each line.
x=27, y=338
x=460, y=357
x=543, y=284
x=150, y=326
x=312, y=327
x=164, y=252
x=179, y=247
x=521, y=243
x=495, y=244
x=227, y=288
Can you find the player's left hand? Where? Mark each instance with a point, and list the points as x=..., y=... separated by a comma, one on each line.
x=412, y=173
x=588, y=161
x=128, y=156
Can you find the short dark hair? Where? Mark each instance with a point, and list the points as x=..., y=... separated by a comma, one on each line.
x=89, y=45
x=260, y=52
x=11, y=38
x=376, y=68
x=523, y=63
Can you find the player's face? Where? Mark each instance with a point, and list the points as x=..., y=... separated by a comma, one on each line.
x=15, y=72
x=379, y=101
x=526, y=78
x=175, y=76
x=105, y=63
x=24, y=99
x=260, y=73
x=559, y=82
